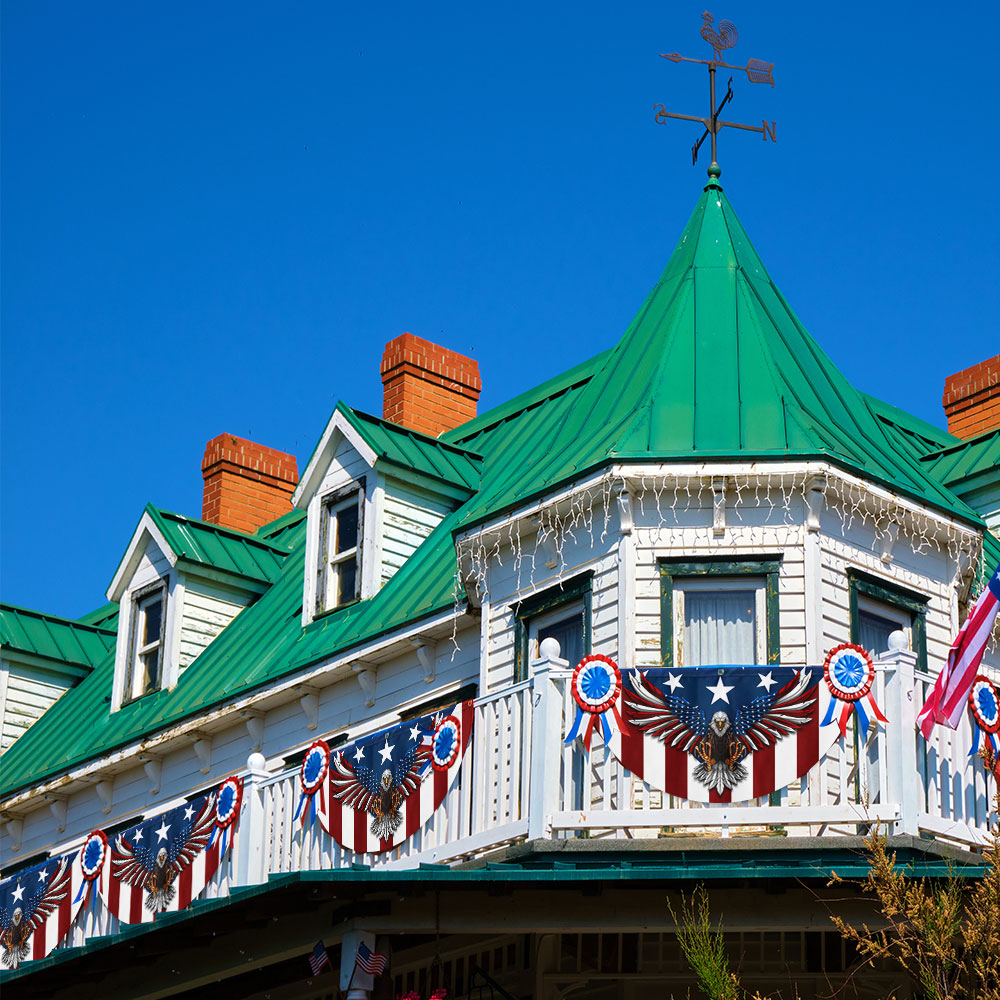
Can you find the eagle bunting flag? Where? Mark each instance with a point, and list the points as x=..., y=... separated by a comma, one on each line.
x=725, y=733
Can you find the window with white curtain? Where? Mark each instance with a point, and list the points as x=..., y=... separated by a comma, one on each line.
x=719, y=620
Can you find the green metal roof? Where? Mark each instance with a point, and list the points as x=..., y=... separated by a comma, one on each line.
x=53, y=638
x=204, y=544
x=714, y=365
x=967, y=462
x=409, y=449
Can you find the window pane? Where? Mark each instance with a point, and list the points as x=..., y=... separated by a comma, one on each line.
x=347, y=527
x=568, y=632
x=720, y=627
x=874, y=631
x=153, y=616
x=347, y=573
x=150, y=671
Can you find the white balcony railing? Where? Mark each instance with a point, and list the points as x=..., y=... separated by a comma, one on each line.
x=519, y=781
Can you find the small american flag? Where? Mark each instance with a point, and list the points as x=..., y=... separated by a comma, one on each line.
x=318, y=958
x=370, y=961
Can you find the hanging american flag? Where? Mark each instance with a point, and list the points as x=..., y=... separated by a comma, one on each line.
x=383, y=788
x=950, y=694
x=37, y=908
x=723, y=733
x=370, y=961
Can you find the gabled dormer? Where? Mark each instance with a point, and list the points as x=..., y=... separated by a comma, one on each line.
x=179, y=584
x=373, y=489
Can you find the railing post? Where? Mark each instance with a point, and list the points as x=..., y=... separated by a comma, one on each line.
x=546, y=737
x=901, y=747
x=248, y=863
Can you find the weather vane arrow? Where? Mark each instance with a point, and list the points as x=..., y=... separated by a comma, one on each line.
x=757, y=71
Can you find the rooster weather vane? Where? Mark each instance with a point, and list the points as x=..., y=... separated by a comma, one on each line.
x=757, y=71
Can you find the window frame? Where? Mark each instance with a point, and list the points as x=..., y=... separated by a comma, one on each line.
x=328, y=505
x=863, y=585
x=767, y=567
x=138, y=601
x=577, y=590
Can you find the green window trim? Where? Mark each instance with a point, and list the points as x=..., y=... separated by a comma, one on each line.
x=670, y=569
x=859, y=582
x=576, y=588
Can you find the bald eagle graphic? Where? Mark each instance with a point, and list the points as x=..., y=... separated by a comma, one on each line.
x=33, y=904
x=381, y=789
x=155, y=865
x=719, y=744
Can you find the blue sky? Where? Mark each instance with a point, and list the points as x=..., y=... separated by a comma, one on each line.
x=214, y=216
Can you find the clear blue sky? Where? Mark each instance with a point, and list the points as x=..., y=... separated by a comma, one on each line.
x=215, y=215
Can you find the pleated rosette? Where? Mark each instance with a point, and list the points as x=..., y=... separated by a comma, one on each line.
x=849, y=674
x=228, y=802
x=446, y=741
x=312, y=781
x=984, y=704
x=93, y=856
x=596, y=686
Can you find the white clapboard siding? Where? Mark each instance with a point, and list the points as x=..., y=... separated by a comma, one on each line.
x=207, y=610
x=29, y=692
x=408, y=517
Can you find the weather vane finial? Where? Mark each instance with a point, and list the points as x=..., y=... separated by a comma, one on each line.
x=757, y=71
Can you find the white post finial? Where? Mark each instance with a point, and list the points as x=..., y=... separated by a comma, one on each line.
x=549, y=648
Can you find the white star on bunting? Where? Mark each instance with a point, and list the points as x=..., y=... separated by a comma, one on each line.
x=43, y=875
x=358, y=756
x=674, y=682
x=18, y=893
x=138, y=835
x=721, y=691
x=414, y=733
x=767, y=681
x=161, y=834
x=386, y=752
x=189, y=812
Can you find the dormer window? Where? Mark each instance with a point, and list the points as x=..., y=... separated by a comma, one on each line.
x=145, y=666
x=340, y=548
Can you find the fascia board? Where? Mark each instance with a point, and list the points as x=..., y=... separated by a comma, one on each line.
x=338, y=428
x=146, y=527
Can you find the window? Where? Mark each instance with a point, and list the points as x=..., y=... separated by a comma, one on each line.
x=145, y=660
x=341, y=529
x=717, y=612
x=561, y=613
x=879, y=608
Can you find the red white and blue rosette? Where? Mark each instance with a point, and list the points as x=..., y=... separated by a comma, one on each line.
x=850, y=673
x=446, y=741
x=93, y=854
x=312, y=779
x=984, y=703
x=228, y=799
x=596, y=687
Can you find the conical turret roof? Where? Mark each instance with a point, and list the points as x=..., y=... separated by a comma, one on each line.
x=715, y=365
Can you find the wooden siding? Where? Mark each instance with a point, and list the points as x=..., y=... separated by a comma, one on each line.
x=208, y=609
x=27, y=692
x=408, y=517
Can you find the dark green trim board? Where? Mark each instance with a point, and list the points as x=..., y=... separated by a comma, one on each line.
x=859, y=582
x=581, y=586
x=671, y=569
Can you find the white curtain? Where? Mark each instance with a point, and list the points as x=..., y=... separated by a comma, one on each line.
x=874, y=632
x=720, y=627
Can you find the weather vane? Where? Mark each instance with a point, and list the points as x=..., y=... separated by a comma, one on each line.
x=757, y=71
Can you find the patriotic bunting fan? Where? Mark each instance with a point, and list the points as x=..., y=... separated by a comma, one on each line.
x=93, y=854
x=227, y=809
x=312, y=781
x=596, y=686
x=35, y=911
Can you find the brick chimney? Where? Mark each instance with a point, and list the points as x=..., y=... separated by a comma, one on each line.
x=246, y=484
x=972, y=399
x=426, y=387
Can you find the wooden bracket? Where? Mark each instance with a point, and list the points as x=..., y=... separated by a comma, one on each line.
x=57, y=806
x=203, y=750
x=106, y=792
x=310, y=707
x=15, y=828
x=625, y=516
x=366, y=674
x=816, y=485
x=887, y=539
x=255, y=727
x=719, y=506
x=425, y=654
x=153, y=767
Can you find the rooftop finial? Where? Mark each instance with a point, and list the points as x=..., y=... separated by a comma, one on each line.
x=756, y=70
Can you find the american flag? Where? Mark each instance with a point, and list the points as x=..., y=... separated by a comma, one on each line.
x=950, y=694
x=370, y=961
x=318, y=958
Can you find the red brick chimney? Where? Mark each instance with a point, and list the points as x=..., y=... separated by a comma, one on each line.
x=426, y=387
x=246, y=484
x=972, y=399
